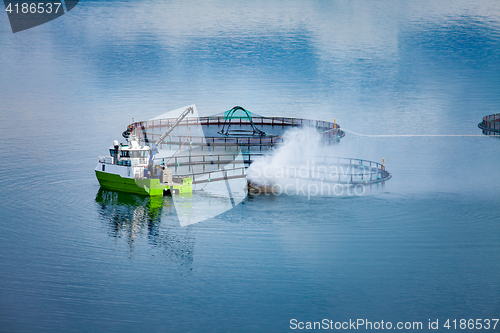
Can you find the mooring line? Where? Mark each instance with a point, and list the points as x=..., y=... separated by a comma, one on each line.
x=412, y=135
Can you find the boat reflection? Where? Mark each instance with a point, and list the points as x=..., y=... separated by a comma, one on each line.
x=133, y=217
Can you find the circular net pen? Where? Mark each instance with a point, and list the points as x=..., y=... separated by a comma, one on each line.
x=490, y=124
x=236, y=127
x=327, y=169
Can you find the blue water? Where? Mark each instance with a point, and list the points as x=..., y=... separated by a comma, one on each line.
x=424, y=246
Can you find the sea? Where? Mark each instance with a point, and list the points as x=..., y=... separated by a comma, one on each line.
x=409, y=81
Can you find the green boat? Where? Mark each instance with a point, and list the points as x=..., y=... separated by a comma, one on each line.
x=130, y=168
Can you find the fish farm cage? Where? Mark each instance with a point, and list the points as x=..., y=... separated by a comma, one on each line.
x=328, y=169
x=237, y=127
x=222, y=147
x=490, y=124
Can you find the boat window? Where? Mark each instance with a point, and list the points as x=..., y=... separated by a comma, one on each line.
x=112, y=152
x=124, y=153
x=138, y=154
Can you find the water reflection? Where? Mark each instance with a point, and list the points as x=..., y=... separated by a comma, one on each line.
x=133, y=217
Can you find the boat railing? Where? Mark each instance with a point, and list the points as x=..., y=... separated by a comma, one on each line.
x=123, y=161
x=106, y=159
x=139, y=161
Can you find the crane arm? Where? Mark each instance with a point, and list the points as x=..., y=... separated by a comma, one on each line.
x=154, y=149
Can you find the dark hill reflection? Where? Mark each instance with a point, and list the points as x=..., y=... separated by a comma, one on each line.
x=132, y=217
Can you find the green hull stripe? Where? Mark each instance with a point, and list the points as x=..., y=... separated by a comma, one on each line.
x=150, y=187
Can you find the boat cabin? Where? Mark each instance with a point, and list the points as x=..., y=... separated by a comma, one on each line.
x=129, y=154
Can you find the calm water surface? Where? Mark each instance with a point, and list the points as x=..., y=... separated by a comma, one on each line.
x=424, y=246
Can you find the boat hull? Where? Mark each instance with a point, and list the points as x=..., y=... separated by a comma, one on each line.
x=149, y=187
